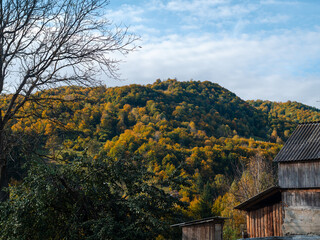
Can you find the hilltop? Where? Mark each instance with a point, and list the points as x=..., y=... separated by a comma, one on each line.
x=196, y=130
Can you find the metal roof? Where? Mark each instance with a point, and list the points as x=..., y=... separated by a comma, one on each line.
x=253, y=202
x=201, y=221
x=302, y=145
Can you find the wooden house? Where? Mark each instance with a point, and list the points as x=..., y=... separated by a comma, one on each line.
x=293, y=207
x=203, y=229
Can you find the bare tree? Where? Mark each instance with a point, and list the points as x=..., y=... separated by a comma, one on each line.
x=46, y=43
x=254, y=177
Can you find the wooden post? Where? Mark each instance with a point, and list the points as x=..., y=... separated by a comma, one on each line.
x=280, y=218
x=265, y=210
x=270, y=226
x=248, y=222
x=259, y=223
x=255, y=224
x=251, y=224
x=276, y=220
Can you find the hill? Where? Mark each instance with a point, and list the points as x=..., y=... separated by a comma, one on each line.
x=198, y=125
x=198, y=131
x=284, y=116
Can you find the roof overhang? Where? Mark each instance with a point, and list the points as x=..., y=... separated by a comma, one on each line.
x=266, y=197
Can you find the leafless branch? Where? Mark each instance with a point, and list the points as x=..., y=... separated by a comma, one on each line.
x=44, y=44
x=47, y=43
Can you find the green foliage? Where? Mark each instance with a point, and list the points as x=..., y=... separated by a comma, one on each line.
x=88, y=199
x=284, y=117
x=230, y=233
x=198, y=131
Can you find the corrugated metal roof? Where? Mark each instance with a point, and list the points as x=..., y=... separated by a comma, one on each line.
x=302, y=145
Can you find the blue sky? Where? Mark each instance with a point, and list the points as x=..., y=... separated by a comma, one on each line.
x=268, y=49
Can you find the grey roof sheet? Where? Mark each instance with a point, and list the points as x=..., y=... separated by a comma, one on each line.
x=200, y=221
x=302, y=145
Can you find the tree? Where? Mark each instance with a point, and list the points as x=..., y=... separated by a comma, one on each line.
x=46, y=43
x=88, y=199
x=201, y=206
x=257, y=176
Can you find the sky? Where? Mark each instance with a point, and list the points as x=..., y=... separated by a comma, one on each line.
x=258, y=49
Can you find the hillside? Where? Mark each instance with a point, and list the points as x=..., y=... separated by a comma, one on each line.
x=284, y=116
x=200, y=125
x=198, y=131
x=211, y=108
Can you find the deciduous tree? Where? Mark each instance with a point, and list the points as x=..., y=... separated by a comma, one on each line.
x=89, y=199
x=46, y=43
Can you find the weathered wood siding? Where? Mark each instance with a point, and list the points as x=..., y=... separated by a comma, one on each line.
x=301, y=198
x=266, y=221
x=299, y=175
x=209, y=231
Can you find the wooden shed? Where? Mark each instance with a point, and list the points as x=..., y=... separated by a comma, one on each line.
x=264, y=213
x=293, y=207
x=203, y=229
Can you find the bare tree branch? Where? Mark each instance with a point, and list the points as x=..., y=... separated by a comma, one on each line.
x=45, y=43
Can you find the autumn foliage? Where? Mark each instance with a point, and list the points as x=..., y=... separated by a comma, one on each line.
x=198, y=131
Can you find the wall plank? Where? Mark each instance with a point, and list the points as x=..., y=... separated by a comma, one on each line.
x=302, y=198
x=299, y=175
x=207, y=231
x=265, y=222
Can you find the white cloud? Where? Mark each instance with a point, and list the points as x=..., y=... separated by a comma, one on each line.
x=274, y=64
x=191, y=6
x=254, y=67
x=191, y=15
x=209, y=10
x=281, y=2
x=274, y=19
x=127, y=13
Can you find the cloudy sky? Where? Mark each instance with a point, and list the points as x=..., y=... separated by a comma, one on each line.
x=267, y=49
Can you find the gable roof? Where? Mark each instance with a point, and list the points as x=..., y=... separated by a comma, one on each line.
x=302, y=145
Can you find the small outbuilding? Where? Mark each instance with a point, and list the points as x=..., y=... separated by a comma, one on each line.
x=292, y=207
x=203, y=229
x=264, y=213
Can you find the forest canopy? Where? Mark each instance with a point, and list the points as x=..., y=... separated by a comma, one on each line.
x=196, y=132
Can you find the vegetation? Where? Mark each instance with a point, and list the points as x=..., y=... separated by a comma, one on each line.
x=197, y=144
x=283, y=117
x=88, y=199
x=46, y=44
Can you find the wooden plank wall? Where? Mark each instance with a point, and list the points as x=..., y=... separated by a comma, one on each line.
x=266, y=221
x=301, y=198
x=299, y=175
x=208, y=231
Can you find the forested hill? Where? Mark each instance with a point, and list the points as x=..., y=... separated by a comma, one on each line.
x=289, y=111
x=188, y=113
x=201, y=106
x=284, y=116
x=198, y=131
x=210, y=107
